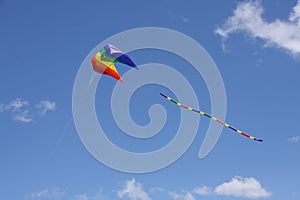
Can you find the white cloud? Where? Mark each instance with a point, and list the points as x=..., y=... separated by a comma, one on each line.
x=237, y=187
x=203, y=190
x=21, y=110
x=45, y=106
x=16, y=105
x=156, y=190
x=182, y=196
x=247, y=18
x=94, y=196
x=55, y=193
x=81, y=197
x=294, y=139
x=133, y=190
x=242, y=187
x=23, y=116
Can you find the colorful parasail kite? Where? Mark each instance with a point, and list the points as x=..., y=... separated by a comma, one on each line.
x=212, y=117
x=104, y=61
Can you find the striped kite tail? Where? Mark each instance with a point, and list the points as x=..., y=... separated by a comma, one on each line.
x=212, y=117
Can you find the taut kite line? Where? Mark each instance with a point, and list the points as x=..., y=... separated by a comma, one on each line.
x=212, y=117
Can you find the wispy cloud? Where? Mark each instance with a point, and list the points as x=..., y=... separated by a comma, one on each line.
x=133, y=190
x=202, y=190
x=242, y=187
x=22, y=111
x=247, y=18
x=237, y=187
x=81, y=197
x=16, y=105
x=156, y=190
x=171, y=14
x=23, y=116
x=294, y=139
x=98, y=195
x=55, y=193
x=182, y=196
x=45, y=106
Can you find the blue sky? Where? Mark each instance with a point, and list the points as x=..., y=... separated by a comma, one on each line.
x=256, y=47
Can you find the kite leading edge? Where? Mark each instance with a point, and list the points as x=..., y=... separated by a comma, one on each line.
x=212, y=117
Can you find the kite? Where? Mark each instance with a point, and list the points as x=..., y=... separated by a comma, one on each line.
x=104, y=61
x=212, y=117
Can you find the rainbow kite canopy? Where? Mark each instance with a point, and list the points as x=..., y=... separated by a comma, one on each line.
x=212, y=117
x=104, y=61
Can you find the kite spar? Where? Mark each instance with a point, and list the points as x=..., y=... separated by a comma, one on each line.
x=212, y=117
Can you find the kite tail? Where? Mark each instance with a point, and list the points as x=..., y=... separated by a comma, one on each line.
x=212, y=117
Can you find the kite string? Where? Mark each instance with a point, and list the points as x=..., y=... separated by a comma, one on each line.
x=62, y=135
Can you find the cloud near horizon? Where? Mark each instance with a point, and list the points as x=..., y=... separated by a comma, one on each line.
x=185, y=195
x=247, y=18
x=52, y=193
x=242, y=187
x=97, y=195
x=236, y=187
x=133, y=190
